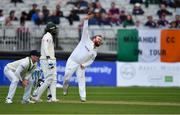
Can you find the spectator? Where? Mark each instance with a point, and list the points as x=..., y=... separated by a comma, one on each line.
x=104, y=20
x=82, y=5
x=150, y=22
x=58, y=11
x=46, y=13
x=73, y=17
x=24, y=16
x=2, y=18
x=100, y=8
x=38, y=18
x=12, y=17
x=137, y=10
x=163, y=10
x=138, y=24
x=129, y=21
x=162, y=22
x=122, y=16
x=54, y=18
x=95, y=20
x=32, y=11
x=173, y=25
x=114, y=14
x=176, y=22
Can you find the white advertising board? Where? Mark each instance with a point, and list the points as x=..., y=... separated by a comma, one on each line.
x=148, y=74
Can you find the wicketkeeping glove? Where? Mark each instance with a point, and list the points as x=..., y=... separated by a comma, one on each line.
x=50, y=64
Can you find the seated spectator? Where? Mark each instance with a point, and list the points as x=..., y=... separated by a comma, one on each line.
x=129, y=21
x=137, y=10
x=173, y=25
x=2, y=18
x=38, y=17
x=58, y=11
x=138, y=24
x=95, y=20
x=114, y=14
x=177, y=19
x=167, y=3
x=104, y=20
x=162, y=22
x=10, y=18
x=24, y=16
x=73, y=16
x=122, y=16
x=136, y=1
x=150, y=22
x=163, y=10
x=82, y=6
x=46, y=13
x=54, y=18
x=32, y=11
x=176, y=22
x=100, y=8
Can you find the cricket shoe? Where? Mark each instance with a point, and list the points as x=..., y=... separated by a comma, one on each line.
x=33, y=98
x=83, y=99
x=27, y=101
x=51, y=100
x=8, y=101
x=65, y=88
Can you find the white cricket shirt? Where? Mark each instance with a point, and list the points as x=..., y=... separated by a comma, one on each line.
x=85, y=52
x=47, y=46
x=23, y=68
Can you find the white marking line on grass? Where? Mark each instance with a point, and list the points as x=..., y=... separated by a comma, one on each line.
x=124, y=102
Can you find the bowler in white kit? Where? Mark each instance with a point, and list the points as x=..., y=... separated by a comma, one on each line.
x=82, y=56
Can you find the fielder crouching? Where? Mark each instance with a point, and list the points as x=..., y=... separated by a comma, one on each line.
x=21, y=70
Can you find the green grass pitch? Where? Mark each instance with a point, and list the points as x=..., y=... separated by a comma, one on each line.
x=100, y=100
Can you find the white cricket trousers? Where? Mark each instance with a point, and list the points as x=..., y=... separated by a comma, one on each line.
x=14, y=82
x=50, y=79
x=71, y=67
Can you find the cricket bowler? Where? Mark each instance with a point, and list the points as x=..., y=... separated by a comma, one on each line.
x=82, y=56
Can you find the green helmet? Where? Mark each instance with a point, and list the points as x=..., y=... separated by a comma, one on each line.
x=50, y=27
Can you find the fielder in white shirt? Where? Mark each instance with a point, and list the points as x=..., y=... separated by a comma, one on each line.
x=21, y=70
x=82, y=56
x=48, y=64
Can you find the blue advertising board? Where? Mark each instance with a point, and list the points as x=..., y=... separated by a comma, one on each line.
x=3, y=78
x=100, y=73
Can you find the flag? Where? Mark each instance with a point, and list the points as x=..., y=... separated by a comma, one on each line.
x=151, y=45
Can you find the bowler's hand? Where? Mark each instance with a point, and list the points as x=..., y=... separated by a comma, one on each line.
x=82, y=66
x=50, y=64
